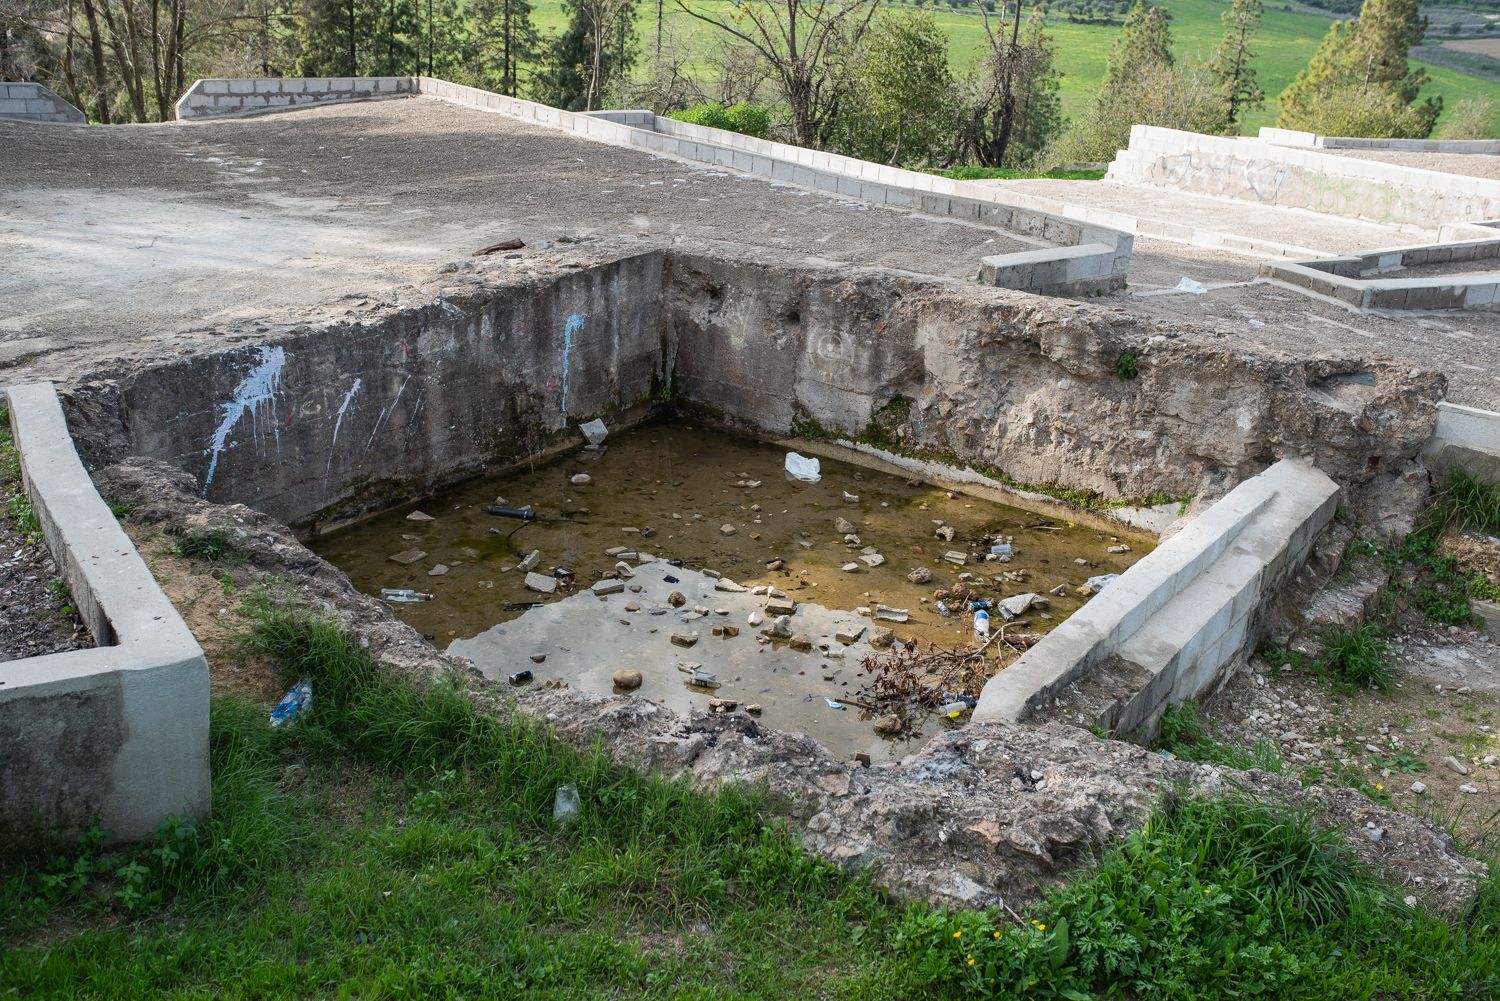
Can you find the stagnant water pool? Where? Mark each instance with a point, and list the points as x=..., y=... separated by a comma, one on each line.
x=721, y=503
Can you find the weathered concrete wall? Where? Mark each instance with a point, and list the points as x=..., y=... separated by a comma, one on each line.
x=1255, y=171
x=1178, y=622
x=1466, y=438
x=116, y=736
x=226, y=98
x=1025, y=386
x=32, y=102
x=339, y=419
x=345, y=417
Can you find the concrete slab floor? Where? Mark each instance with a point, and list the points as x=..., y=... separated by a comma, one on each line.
x=1463, y=344
x=165, y=233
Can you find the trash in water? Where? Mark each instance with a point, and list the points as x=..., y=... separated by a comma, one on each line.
x=943, y=609
x=803, y=468
x=403, y=595
x=565, y=805
x=1186, y=284
x=833, y=705
x=1097, y=584
x=520, y=677
x=671, y=580
x=703, y=679
x=295, y=702
x=594, y=431
x=1002, y=549
x=976, y=606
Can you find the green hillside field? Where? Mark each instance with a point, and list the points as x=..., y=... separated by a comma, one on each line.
x=1285, y=43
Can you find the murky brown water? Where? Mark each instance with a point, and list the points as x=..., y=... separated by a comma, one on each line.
x=683, y=484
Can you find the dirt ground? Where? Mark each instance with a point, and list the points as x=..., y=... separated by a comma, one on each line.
x=1445, y=703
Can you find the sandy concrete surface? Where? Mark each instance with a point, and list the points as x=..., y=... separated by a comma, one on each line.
x=131, y=237
x=1472, y=164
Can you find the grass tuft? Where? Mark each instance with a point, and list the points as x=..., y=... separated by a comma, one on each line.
x=1188, y=736
x=1357, y=656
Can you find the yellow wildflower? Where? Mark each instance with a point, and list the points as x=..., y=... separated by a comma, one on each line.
x=958, y=934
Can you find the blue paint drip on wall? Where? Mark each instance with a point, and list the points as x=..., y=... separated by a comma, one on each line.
x=343, y=407
x=574, y=325
x=258, y=388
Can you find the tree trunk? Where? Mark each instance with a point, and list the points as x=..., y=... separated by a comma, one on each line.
x=96, y=51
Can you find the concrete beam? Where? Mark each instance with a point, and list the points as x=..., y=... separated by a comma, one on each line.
x=117, y=736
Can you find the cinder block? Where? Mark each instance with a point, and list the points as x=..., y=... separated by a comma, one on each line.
x=267, y=86
x=13, y=106
x=241, y=86
x=214, y=86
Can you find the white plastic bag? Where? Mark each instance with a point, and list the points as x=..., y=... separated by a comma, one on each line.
x=805, y=469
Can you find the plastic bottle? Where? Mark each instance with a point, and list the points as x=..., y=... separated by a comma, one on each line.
x=943, y=609
x=953, y=710
x=982, y=624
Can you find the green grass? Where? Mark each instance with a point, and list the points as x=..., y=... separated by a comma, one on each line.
x=398, y=842
x=1008, y=174
x=1284, y=45
x=1466, y=504
x=1357, y=656
x=1188, y=736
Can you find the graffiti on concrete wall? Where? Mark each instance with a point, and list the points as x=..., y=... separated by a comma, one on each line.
x=255, y=392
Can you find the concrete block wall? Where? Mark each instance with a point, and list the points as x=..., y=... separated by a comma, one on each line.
x=1291, y=137
x=31, y=102
x=227, y=98
x=1354, y=278
x=823, y=171
x=1264, y=173
x=115, y=736
x=1185, y=615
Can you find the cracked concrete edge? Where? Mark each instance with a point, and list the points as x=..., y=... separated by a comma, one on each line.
x=115, y=736
x=1294, y=137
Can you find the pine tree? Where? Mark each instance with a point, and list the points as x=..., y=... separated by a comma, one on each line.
x=1144, y=41
x=1231, y=65
x=501, y=38
x=1363, y=62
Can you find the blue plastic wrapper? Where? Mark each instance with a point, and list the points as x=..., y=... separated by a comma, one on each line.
x=295, y=702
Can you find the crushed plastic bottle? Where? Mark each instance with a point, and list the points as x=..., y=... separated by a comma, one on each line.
x=403, y=595
x=566, y=805
x=296, y=701
x=943, y=609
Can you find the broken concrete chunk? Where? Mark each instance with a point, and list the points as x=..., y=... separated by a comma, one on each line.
x=541, y=583
x=843, y=526
x=782, y=627
x=850, y=568
x=529, y=561
x=801, y=642
x=849, y=634
x=881, y=638
x=419, y=516
x=888, y=726
x=727, y=529
x=438, y=570
x=594, y=432
x=603, y=587
x=780, y=605
x=725, y=584
x=624, y=570
x=408, y=556
x=850, y=498
x=580, y=479
x=684, y=639
x=956, y=557
x=889, y=614
x=945, y=532
x=1016, y=604
x=920, y=575
x=1117, y=550
x=872, y=559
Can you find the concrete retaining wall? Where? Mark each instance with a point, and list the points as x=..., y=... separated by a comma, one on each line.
x=31, y=102
x=116, y=736
x=1176, y=624
x=1466, y=438
x=1291, y=137
x=1354, y=278
x=1255, y=171
x=227, y=98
